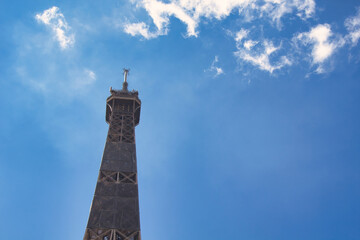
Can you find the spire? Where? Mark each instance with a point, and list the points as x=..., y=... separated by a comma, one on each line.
x=125, y=84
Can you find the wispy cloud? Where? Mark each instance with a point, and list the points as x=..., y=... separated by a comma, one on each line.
x=83, y=79
x=276, y=9
x=323, y=43
x=258, y=53
x=240, y=35
x=56, y=21
x=249, y=44
x=74, y=82
x=353, y=26
x=192, y=12
x=141, y=29
x=215, y=69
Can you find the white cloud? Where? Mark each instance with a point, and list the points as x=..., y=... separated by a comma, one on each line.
x=53, y=18
x=249, y=44
x=259, y=57
x=141, y=29
x=190, y=12
x=213, y=68
x=276, y=9
x=323, y=44
x=240, y=35
x=306, y=8
x=353, y=26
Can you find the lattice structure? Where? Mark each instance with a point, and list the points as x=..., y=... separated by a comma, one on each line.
x=111, y=234
x=128, y=129
x=114, y=213
x=121, y=127
x=117, y=177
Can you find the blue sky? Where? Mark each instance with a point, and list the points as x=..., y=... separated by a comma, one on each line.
x=249, y=126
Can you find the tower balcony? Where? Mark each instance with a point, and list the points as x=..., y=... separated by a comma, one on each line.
x=123, y=101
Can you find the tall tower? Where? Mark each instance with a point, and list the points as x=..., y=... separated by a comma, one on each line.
x=114, y=213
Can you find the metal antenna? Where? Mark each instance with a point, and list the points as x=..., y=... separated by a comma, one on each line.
x=126, y=73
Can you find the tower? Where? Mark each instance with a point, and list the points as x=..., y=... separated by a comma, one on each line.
x=114, y=213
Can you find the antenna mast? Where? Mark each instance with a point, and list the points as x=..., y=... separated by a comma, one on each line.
x=125, y=84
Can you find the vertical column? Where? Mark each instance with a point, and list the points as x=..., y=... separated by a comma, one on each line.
x=114, y=212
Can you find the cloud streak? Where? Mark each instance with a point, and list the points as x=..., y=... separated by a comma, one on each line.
x=74, y=82
x=276, y=9
x=353, y=26
x=135, y=29
x=191, y=12
x=56, y=21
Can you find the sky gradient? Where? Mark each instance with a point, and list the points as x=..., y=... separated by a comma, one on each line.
x=249, y=126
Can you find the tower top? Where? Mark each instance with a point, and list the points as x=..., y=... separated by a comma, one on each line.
x=123, y=96
x=124, y=90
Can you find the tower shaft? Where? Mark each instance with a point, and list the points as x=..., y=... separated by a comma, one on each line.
x=114, y=214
